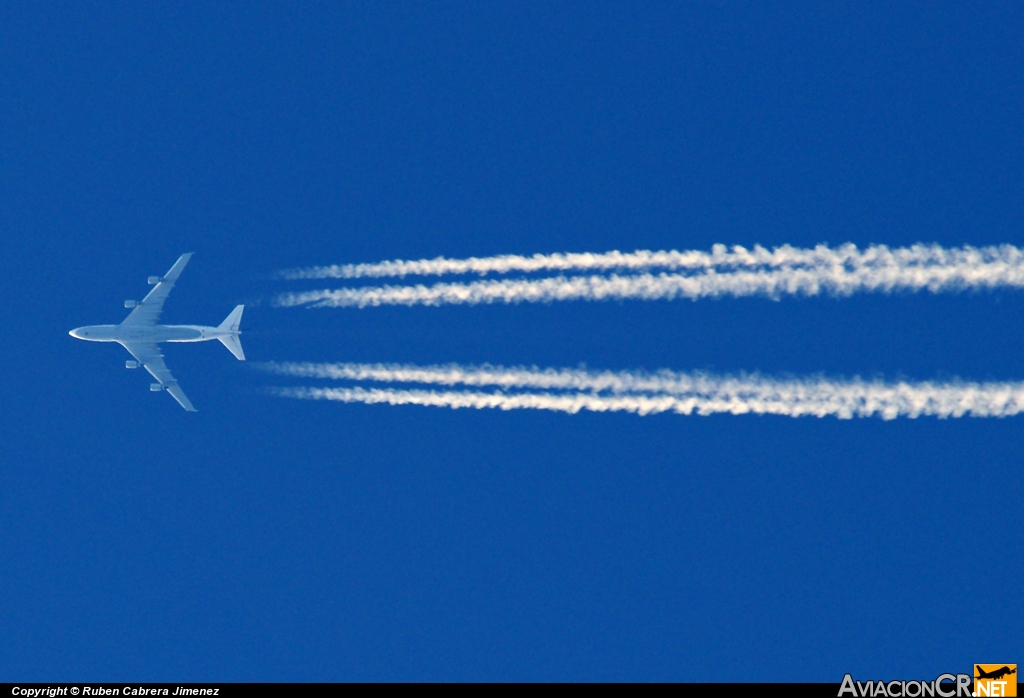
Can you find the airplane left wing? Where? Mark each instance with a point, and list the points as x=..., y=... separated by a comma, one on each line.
x=148, y=310
x=148, y=354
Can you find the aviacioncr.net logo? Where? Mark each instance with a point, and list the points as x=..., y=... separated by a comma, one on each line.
x=995, y=680
x=943, y=686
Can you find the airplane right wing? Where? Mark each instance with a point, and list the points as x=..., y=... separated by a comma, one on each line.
x=148, y=310
x=148, y=354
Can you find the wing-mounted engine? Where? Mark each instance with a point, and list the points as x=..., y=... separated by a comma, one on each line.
x=157, y=387
x=131, y=364
x=147, y=311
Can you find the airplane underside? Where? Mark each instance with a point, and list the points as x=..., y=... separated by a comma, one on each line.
x=140, y=334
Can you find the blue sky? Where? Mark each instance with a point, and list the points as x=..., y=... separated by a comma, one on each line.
x=281, y=540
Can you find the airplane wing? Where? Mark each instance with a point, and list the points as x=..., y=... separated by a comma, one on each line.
x=147, y=312
x=148, y=354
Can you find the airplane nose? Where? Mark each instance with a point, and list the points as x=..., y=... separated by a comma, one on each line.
x=74, y=333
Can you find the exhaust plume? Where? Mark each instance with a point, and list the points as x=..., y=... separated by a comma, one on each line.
x=812, y=281
x=720, y=258
x=664, y=391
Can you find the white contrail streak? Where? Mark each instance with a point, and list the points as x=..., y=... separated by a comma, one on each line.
x=499, y=377
x=664, y=391
x=839, y=281
x=844, y=401
x=720, y=258
x=521, y=377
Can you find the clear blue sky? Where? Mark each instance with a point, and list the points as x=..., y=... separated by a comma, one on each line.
x=271, y=539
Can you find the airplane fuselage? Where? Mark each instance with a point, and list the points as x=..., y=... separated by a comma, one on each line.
x=127, y=334
x=140, y=334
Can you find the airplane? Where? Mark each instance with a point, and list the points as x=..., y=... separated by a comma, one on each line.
x=994, y=674
x=140, y=334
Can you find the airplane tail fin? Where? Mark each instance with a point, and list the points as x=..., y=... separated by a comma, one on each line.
x=231, y=324
x=233, y=320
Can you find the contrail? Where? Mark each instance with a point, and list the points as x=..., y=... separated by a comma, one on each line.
x=497, y=376
x=720, y=258
x=976, y=400
x=840, y=281
x=664, y=391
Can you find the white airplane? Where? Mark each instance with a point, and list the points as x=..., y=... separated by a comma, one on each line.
x=140, y=334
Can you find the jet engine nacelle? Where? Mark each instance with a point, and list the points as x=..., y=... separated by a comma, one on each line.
x=157, y=387
x=131, y=364
x=153, y=280
x=130, y=304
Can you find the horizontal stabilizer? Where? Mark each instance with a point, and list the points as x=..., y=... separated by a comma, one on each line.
x=231, y=323
x=234, y=345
